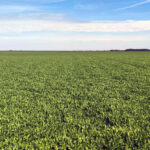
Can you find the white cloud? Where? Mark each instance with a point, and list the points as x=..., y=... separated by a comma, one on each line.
x=135, y=5
x=73, y=42
x=19, y=26
x=83, y=38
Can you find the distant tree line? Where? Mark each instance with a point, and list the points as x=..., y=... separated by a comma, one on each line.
x=137, y=49
x=128, y=50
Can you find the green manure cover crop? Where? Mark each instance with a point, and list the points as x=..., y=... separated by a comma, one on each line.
x=75, y=100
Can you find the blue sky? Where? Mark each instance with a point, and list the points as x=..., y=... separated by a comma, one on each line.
x=74, y=24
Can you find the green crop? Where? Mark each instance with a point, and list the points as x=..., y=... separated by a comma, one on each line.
x=75, y=100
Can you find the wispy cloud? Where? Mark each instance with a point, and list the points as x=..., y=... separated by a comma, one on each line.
x=86, y=6
x=29, y=1
x=15, y=8
x=135, y=5
x=19, y=26
x=33, y=16
x=24, y=5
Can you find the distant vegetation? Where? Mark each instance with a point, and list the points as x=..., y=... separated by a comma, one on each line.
x=137, y=50
x=74, y=100
x=131, y=50
x=114, y=50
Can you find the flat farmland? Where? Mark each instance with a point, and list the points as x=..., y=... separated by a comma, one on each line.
x=75, y=100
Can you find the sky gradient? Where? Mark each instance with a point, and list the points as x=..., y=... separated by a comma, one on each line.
x=74, y=24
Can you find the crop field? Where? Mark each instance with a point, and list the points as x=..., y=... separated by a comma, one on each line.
x=74, y=100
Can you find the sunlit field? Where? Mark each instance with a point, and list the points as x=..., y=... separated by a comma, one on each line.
x=75, y=100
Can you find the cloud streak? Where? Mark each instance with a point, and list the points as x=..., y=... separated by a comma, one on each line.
x=20, y=26
x=135, y=5
x=83, y=38
x=30, y=1
x=54, y=41
x=15, y=8
x=32, y=16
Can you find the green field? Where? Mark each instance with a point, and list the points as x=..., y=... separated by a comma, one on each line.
x=74, y=100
